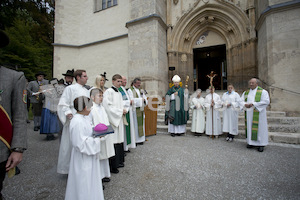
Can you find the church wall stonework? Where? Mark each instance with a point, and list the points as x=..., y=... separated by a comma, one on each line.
x=279, y=56
x=147, y=46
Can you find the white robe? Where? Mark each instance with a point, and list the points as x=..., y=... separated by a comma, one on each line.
x=113, y=104
x=65, y=107
x=84, y=180
x=262, y=134
x=98, y=115
x=128, y=107
x=231, y=114
x=198, y=119
x=138, y=103
x=216, y=115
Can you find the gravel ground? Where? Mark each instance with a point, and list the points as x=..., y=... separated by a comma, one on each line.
x=185, y=167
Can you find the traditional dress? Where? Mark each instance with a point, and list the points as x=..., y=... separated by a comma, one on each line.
x=99, y=115
x=65, y=107
x=177, y=115
x=198, y=119
x=50, y=123
x=113, y=104
x=129, y=137
x=213, y=112
x=84, y=180
x=138, y=113
x=231, y=113
x=256, y=126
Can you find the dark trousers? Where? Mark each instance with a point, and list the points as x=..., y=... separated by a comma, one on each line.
x=2, y=176
x=118, y=158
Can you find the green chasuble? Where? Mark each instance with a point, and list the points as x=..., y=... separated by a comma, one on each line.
x=255, y=119
x=139, y=115
x=128, y=138
x=181, y=116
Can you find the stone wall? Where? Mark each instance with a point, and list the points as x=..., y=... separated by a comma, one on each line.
x=279, y=55
x=147, y=45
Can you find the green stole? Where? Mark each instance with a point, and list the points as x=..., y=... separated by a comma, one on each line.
x=127, y=128
x=255, y=119
x=139, y=115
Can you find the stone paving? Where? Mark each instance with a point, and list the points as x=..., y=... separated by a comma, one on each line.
x=185, y=167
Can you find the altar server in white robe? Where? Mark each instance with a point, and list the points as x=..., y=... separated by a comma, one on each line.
x=65, y=111
x=114, y=107
x=198, y=119
x=232, y=104
x=255, y=102
x=139, y=102
x=212, y=113
x=129, y=131
x=84, y=175
x=98, y=115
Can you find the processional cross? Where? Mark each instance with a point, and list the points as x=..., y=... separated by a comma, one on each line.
x=211, y=77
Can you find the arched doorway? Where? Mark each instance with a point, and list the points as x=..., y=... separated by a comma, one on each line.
x=237, y=60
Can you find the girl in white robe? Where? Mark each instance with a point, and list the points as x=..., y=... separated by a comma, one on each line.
x=84, y=180
x=232, y=103
x=198, y=119
x=212, y=110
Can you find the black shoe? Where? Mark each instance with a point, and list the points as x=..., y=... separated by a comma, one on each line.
x=260, y=149
x=127, y=151
x=249, y=146
x=28, y=122
x=105, y=179
x=173, y=134
x=140, y=143
x=121, y=165
x=36, y=128
x=39, y=127
x=114, y=171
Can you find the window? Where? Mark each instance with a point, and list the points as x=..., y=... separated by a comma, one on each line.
x=104, y=4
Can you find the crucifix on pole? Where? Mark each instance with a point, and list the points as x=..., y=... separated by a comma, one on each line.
x=211, y=77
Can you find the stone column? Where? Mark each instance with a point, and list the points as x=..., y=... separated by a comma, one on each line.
x=148, y=45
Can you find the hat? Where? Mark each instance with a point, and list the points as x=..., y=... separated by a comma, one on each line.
x=69, y=73
x=4, y=39
x=100, y=127
x=40, y=73
x=104, y=75
x=176, y=78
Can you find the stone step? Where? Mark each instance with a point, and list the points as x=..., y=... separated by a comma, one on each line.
x=271, y=127
x=277, y=137
x=271, y=120
x=269, y=113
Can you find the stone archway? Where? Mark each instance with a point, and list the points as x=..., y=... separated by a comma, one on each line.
x=230, y=23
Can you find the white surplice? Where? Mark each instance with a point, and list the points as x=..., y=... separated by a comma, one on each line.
x=65, y=107
x=198, y=119
x=262, y=134
x=213, y=112
x=231, y=113
x=138, y=102
x=98, y=115
x=113, y=104
x=128, y=107
x=84, y=179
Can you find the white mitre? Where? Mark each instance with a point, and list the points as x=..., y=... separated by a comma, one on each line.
x=176, y=78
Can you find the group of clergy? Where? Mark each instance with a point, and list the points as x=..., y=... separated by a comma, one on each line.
x=206, y=112
x=118, y=107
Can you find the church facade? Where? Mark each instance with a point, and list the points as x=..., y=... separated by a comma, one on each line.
x=156, y=39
